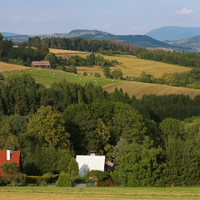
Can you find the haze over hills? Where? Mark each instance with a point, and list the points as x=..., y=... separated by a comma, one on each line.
x=16, y=38
x=139, y=40
x=193, y=42
x=174, y=33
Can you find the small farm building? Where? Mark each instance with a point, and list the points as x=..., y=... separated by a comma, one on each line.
x=90, y=162
x=42, y=64
x=9, y=156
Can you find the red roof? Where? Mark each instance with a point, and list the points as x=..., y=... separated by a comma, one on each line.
x=14, y=157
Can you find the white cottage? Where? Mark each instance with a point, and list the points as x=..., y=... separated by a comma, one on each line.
x=90, y=162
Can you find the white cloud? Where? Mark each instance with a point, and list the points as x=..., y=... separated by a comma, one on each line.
x=184, y=11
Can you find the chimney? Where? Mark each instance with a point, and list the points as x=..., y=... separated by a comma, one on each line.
x=8, y=154
x=92, y=153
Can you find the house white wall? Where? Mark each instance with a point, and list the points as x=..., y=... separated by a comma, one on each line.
x=90, y=163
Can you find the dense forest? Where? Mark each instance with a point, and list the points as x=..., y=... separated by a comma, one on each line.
x=154, y=140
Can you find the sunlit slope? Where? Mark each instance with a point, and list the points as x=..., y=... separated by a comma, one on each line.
x=48, y=77
x=130, y=65
x=139, y=89
x=10, y=67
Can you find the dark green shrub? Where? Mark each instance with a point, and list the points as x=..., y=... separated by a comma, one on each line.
x=64, y=180
x=41, y=180
x=97, y=75
x=72, y=69
x=114, y=175
x=1, y=76
x=95, y=176
x=59, y=68
x=73, y=167
x=108, y=182
x=84, y=73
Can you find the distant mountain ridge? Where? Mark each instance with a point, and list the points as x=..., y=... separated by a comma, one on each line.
x=174, y=33
x=139, y=40
x=8, y=34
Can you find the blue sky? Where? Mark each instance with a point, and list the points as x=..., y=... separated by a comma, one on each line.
x=128, y=17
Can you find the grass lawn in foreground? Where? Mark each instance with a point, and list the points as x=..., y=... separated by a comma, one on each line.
x=44, y=77
x=99, y=193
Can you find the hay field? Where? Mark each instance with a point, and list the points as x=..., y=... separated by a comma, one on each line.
x=98, y=193
x=130, y=65
x=5, y=67
x=139, y=89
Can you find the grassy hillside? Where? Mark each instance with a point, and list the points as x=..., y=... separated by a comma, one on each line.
x=130, y=65
x=139, y=89
x=45, y=77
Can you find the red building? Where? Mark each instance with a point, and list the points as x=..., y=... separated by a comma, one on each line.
x=9, y=156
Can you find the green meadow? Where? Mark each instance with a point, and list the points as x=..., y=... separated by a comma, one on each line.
x=47, y=77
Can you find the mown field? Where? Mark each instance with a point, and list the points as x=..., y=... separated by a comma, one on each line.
x=130, y=65
x=10, y=67
x=139, y=89
x=98, y=193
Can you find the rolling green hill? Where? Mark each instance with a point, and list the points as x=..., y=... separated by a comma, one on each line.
x=193, y=42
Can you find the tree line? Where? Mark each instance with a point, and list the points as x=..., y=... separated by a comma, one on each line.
x=177, y=58
x=189, y=79
x=82, y=44
x=154, y=140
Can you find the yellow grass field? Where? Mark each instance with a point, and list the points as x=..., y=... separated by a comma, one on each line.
x=130, y=65
x=139, y=89
x=5, y=67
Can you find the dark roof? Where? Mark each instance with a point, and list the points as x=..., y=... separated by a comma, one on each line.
x=40, y=63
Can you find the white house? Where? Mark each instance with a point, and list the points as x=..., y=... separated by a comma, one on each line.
x=90, y=162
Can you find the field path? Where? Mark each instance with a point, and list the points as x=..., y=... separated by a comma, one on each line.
x=139, y=89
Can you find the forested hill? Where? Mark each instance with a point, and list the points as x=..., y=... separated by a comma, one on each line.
x=139, y=40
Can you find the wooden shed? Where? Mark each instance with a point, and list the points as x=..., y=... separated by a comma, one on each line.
x=42, y=64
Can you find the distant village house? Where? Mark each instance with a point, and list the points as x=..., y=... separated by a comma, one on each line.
x=42, y=64
x=68, y=57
